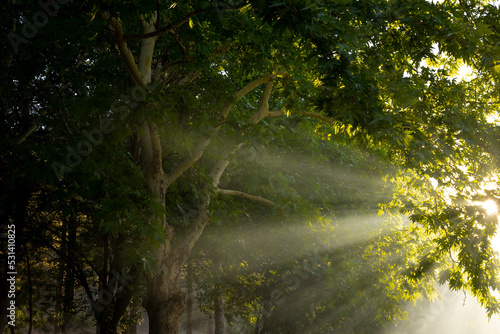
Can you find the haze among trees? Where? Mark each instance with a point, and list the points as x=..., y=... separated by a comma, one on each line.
x=307, y=166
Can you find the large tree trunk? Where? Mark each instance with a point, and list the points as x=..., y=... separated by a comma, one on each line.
x=164, y=303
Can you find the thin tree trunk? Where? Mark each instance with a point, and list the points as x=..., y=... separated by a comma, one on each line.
x=103, y=313
x=30, y=291
x=116, y=310
x=59, y=328
x=115, y=299
x=69, y=281
x=63, y=266
x=210, y=324
x=189, y=300
x=229, y=328
x=132, y=316
x=218, y=314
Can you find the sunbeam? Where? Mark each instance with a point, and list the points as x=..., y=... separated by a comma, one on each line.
x=490, y=206
x=454, y=312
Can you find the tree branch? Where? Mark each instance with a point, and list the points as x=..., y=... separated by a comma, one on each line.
x=263, y=108
x=201, y=219
x=182, y=250
x=127, y=56
x=147, y=50
x=156, y=148
x=26, y=134
x=168, y=28
x=164, y=68
x=318, y=116
x=181, y=46
x=158, y=8
x=250, y=197
x=223, y=48
x=188, y=162
x=277, y=113
x=190, y=77
x=152, y=158
x=193, y=74
x=239, y=94
x=146, y=148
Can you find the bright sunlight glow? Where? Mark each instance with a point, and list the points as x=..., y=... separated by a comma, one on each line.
x=491, y=209
x=490, y=206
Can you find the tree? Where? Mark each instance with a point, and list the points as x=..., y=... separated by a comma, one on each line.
x=135, y=110
x=283, y=274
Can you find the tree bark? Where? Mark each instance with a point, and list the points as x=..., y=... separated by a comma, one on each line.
x=69, y=279
x=210, y=324
x=218, y=314
x=30, y=291
x=189, y=300
x=115, y=298
x=229, y=328
x=132, y=316
x=109, y=317
x=59, y=307
x=164, y=303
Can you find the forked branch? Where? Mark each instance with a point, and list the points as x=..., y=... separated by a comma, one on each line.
x=202, y=217
x=200, y=148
